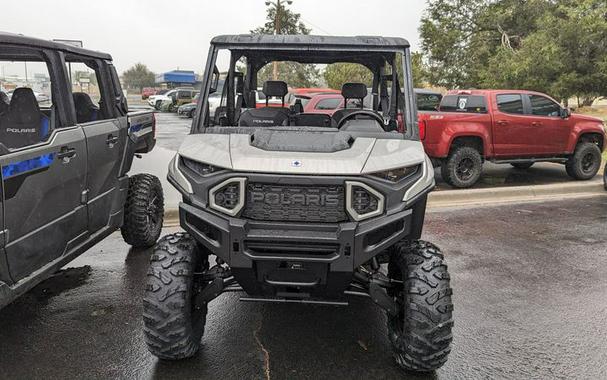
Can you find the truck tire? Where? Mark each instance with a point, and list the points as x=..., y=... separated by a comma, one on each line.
x=522, y=165
x=421, y=333
x=585, y=162
x=173, y=325
x=143, y=211
x=463, y=167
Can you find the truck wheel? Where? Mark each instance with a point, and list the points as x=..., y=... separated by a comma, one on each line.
x=522, y=165
x=463, y=167
x=421, y=333
x=143, y=211
x=173, y=324
x=585, y=162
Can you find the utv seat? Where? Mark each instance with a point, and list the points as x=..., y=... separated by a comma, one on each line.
x=268, y=116
x=356, y=91
x=23, y=124
x=311, y=120
x=4, y=102
x=86, y=110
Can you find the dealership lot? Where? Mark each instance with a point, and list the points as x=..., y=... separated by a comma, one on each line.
x=529, y=304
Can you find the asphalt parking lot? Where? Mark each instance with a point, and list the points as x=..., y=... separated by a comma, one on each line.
x=529, y=295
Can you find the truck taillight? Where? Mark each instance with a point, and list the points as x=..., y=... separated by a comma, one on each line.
x=422, y=129
x=400, y=121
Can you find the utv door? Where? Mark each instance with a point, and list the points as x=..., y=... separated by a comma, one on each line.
x=43, y=167
x=105, y=137
x=4, y=275
x=43, y=214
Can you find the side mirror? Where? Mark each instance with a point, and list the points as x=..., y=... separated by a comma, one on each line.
x=214, y=81
x=565, y=113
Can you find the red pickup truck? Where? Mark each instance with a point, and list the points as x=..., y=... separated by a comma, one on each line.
x=511, y=127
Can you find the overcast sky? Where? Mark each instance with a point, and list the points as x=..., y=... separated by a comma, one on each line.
x=173, y=34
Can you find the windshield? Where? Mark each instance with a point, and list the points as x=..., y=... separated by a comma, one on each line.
x=265, y=88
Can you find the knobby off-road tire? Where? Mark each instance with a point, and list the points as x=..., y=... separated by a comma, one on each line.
x=463, y=167
x=173, y=325
x=143, y=211
x=421, y=333
x=585, y=162
x=522, y=165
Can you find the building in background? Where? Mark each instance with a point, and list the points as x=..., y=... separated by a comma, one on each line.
x=177, y=78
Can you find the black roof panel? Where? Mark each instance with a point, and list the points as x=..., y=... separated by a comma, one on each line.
x=316, y=42
x=18, y=39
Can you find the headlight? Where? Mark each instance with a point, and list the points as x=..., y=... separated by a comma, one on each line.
x=362, y=201
x=228, y=196
x=395, y=175
x=199, y=167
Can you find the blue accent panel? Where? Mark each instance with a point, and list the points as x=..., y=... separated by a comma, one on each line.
x=45, y=129
x=17, y=168
x=136, y=127
x=94, y=115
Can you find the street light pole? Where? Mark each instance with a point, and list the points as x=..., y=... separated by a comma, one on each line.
x=277, y=28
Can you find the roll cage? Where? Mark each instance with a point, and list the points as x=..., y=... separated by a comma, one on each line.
x=378, y=54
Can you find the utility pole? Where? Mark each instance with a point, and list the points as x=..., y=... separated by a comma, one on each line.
x=277, y=28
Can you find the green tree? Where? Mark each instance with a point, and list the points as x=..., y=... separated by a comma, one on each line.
x=281, y=20
x=459, y=37
x=138, y=77
x=564, y=57
x=337, y=74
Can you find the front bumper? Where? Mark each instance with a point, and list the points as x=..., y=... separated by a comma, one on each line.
x=294, y=260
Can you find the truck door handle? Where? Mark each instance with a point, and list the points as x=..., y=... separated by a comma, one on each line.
x=501, y=122
x=66, y=153
x=111, y=140
x=536, y=124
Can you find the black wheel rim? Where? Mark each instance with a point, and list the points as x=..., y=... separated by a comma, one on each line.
x=588, y=163
x=465, y=169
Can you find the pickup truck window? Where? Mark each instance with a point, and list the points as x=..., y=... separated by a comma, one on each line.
x=510, y=103
x=463, y=103
x=543, y=106
x=328, y=104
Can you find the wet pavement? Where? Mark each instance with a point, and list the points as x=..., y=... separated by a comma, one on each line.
x=530, y=296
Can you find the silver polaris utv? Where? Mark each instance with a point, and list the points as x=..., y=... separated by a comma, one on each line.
x=289, y=205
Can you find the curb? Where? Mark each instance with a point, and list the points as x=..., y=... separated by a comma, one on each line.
x=486, y=197
x=515, y=194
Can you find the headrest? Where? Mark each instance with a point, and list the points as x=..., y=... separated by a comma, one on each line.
x=354, y=91
x=275, y=88
x=24, y=105
x=3, y=102
x=82, y=100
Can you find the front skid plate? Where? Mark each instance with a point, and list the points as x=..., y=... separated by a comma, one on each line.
x=291, y=300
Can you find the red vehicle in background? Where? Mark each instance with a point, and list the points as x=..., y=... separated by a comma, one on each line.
x=510, y=127
x=147, y=92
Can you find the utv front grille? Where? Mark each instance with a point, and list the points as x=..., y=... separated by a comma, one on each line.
x=295, y=203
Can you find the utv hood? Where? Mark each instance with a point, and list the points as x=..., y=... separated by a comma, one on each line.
x=327, y=153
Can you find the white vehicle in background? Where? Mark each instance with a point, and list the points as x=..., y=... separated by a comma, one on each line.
x=156, y=100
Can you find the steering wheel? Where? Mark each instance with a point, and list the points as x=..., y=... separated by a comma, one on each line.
x=353, y=115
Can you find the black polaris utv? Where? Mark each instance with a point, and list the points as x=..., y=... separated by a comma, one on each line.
x=67, y=142
x=307, y=207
